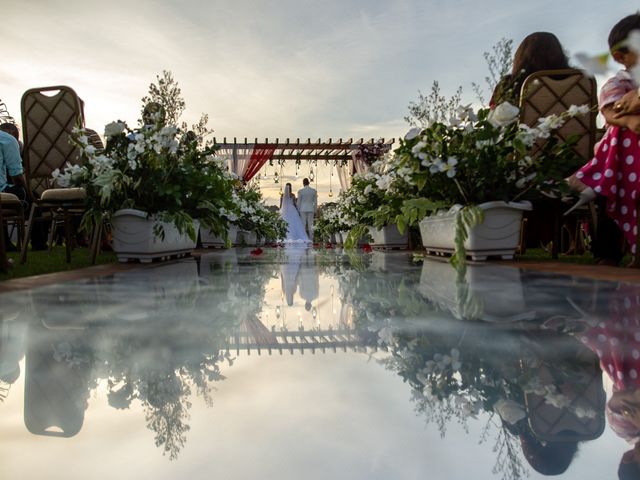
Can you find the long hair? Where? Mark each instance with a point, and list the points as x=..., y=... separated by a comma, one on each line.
x=538, y=51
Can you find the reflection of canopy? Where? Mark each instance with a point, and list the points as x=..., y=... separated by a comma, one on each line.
x=245, y=159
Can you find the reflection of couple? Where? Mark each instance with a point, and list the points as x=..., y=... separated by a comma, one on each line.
x=298, y=276
x=299, y=217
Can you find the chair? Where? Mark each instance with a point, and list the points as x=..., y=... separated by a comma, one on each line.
x=553, y=91
x=11, y=211
x=49, y=115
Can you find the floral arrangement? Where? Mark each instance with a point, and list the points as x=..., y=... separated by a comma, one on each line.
x=487, y=155
x=370, y=152
x=375, y=198
x=159, y=169
x=329, y=222
x=478, y=156
x=254, y=215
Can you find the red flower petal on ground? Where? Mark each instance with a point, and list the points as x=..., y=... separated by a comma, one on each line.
x=329, y=246
x=366, y=248
x=257, y=251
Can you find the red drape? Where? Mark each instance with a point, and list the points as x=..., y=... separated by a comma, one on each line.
x=261, y=155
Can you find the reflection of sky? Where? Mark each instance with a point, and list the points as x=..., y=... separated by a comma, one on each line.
x=312, y=416
x=317, y=415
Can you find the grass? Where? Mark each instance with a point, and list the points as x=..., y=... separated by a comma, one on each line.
x=541, y=255
x=42, y=262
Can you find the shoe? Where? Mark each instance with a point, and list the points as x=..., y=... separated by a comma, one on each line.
x=587, y=195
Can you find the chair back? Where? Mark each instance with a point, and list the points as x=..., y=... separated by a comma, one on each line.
x=553, y=91
x=564, y=424
x=49, y=115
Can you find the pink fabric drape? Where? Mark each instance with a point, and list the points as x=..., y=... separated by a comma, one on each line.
x=359, y=165
x=261, y=155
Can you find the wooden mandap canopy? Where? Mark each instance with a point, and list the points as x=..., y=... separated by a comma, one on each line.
x=247, y=158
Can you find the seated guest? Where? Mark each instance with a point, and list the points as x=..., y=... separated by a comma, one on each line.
x=538, y=51
x=11, y=171
x=12, y=129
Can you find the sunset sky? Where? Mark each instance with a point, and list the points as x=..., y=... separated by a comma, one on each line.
x=285, y=68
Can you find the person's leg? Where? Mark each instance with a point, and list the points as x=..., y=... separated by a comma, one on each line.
x=310, y=220
x=606, y=247
x=39, y=229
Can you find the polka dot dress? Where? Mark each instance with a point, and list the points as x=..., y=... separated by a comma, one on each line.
x=615, y=173
x=616, y=341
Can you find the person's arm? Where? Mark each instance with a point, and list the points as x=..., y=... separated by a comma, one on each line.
x=13, y=161
x=629, y=103
x=19, y=180
x=630, y=121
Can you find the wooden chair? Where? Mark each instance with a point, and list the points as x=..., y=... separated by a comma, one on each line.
x=553, y=91
x=49, y=115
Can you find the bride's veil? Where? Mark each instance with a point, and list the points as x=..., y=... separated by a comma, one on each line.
x=286, y=197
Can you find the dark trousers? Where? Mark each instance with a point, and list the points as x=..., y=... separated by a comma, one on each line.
x=607, y=244
x=39, y=229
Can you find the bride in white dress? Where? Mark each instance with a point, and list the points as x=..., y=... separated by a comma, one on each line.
x=288, y=211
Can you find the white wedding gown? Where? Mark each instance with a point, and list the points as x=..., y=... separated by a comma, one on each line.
x=295, y=229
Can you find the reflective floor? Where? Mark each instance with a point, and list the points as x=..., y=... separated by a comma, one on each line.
x=319, y=364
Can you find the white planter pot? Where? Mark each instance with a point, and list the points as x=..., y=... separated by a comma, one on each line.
x=247, y=239
x=495, y=293
x=497, y=235
x=208, y=239
x=134, y=239
x=388, y=237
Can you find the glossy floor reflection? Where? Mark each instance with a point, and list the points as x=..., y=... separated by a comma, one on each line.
x=319, y=364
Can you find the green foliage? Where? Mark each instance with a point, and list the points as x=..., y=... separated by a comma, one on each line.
x=355, y=234
x=466, y=218
x=166, y=93
x=415, y=209
x=162, y=169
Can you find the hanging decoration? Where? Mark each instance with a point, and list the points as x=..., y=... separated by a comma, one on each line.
x=330, y=180
x=311, y=175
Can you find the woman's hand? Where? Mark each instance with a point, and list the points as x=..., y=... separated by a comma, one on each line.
x=629, y=103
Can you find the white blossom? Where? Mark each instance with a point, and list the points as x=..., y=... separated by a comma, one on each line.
x=114, y=128
x=503, y=115
x=509, y=411
x=413, y=133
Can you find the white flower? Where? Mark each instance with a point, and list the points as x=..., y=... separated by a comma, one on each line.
x=593, y=64
x=575, y=110
x=527, y=135
x=417, y=147
x=510, y=411
x=385, y=336
x=413, y=133
x=114, y=128
x=550, y=123
x=503, y=115
x=633, y=41
x=367, y=189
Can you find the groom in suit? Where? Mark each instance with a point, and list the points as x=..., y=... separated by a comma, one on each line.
x=307, y=204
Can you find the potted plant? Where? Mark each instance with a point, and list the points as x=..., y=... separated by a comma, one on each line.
x=153, y=183
x=480, y=167
x=255, y=220
x=369, y=207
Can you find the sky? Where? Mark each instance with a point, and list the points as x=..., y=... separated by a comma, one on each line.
x=285, y=68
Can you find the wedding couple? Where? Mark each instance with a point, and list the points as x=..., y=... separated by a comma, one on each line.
x=299, y=214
